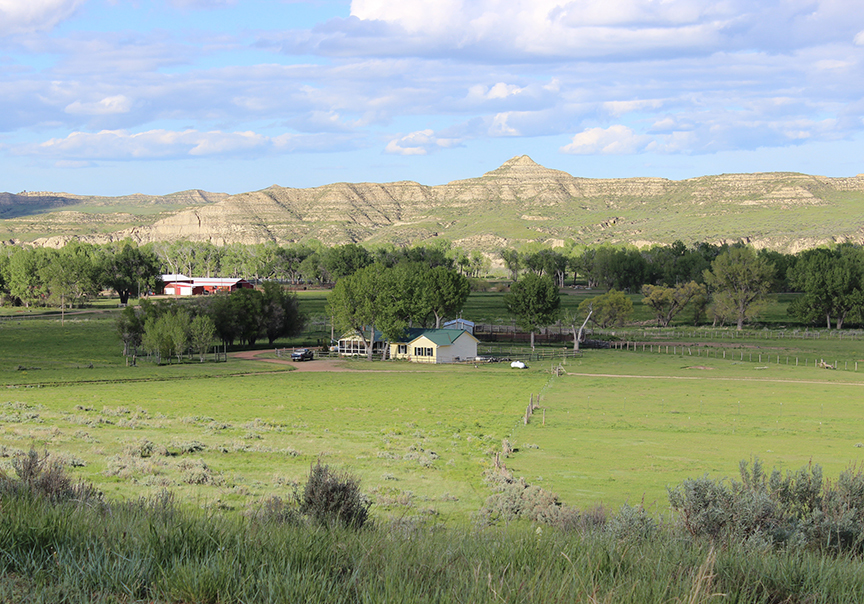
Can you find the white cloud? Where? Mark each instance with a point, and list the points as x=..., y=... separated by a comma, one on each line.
x=26, y=16
x=619, y=108
x=498, y=30
x=497, y=91
x=108, y=106
x=421, y=142
x=557, y=27
x=152, y=144
x=614, y=140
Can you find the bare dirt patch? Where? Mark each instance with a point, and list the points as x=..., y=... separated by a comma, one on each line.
x=315, y=365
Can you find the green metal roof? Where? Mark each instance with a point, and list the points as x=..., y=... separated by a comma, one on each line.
x=440, y=337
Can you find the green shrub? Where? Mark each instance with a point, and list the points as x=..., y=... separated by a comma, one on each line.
x=632, y=523
x=43, y=476
x=516, y=499
x=331, y=497
x=799, y=509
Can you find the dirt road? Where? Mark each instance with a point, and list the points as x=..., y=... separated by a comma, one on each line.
x=316, y=365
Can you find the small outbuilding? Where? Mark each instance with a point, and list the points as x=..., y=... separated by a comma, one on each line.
x=460, y=324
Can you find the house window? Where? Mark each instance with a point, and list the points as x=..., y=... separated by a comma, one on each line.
x=420, y=351
x=402, y=349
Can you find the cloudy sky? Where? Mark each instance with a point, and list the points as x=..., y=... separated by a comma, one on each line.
x=120, y=96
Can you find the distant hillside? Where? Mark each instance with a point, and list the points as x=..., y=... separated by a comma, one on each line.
x=519, y=202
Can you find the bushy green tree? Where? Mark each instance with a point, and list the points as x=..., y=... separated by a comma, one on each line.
x=202, y=334
x=167, y=334
x=738, y=281
x=610, y=309
x=25, y=271
x=832, y=282
x=513, y=261
x=443, y=292
x=130, y=270
x=343, y=260
x=534, y=301
x=281, y=313
x=363, y=302
x=667, y=302
x=130, y=328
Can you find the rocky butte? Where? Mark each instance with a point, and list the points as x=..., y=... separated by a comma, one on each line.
x=520, y=201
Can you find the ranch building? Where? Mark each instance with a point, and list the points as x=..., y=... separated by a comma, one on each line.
x=417, y=345
x=435, y=346
x=181, y=285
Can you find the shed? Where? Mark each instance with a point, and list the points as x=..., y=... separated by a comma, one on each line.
x=460, y=324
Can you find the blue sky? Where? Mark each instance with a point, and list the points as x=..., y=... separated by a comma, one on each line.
x=113, y=97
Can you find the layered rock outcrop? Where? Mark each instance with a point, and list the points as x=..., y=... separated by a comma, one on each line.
x=517, y=202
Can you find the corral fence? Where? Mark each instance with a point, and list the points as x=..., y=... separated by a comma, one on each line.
x=514, y=352
x=510, y=333
x=761, y=357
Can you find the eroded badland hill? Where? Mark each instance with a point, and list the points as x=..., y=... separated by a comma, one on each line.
x=519, y=202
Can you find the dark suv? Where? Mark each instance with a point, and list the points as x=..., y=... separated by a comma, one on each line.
x=302, y=354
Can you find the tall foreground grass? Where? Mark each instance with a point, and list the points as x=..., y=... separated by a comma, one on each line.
x=91, y=551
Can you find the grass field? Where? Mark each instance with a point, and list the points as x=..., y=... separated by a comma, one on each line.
x=623, y=426
x=620, y=425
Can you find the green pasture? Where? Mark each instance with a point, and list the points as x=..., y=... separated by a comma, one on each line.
x=625, y=426
x=419, y=440
x=86, y=348
x=621, y=425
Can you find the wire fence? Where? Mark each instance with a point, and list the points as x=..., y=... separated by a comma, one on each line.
x=731, y=334
x=761, y=357
x=524, y=353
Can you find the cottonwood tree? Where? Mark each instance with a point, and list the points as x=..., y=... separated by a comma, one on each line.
x=343, y=260
x=572, y=318
x=361, y=302
x=667, y=302
x=738, y=280
x=24, y=271
x=443, y=292
x=202, y=334
x=129, y=270
x=513, y=261
x=130, y=328
x=610, y=309
x=167, y=334
x=534, y=300
x=832, y=282
x=281, y=313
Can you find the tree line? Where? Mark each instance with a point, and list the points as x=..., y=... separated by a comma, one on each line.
x=670, y=277
x=166, y=329
x=76, y=273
